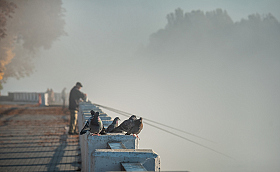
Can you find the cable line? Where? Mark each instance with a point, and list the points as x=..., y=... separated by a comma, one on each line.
x=129, y=114
x=188, y=140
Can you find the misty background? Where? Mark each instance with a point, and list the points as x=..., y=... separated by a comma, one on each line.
x=211, y=69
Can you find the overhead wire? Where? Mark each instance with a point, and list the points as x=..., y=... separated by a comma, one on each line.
x=129, y=114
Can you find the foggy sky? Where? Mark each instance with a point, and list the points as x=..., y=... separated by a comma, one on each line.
x=232, y=100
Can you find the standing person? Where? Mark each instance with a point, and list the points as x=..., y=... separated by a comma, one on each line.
x=74, y=99
x=63, y=97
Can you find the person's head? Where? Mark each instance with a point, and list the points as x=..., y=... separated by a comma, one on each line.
x=79, y=85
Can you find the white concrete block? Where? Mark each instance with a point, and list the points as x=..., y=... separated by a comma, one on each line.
x=127, y=166
x=115, y=145
x=110, y=159
x=100, y=142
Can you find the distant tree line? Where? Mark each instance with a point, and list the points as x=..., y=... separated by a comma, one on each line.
x=192, y=33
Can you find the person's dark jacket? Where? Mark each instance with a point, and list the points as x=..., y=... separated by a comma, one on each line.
x=75, y=96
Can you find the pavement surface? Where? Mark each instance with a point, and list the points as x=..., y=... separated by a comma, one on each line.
x=35, y=138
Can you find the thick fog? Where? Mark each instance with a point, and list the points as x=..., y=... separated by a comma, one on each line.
x=212, y=70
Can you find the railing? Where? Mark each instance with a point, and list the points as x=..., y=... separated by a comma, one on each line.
x=33, y=97
x=25, y=96
x=113, y=151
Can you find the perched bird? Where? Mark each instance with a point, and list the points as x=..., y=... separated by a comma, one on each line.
x=92, y=113
x=86, y=126
x=95, y=124
x=133, y=117
x=125, y=126
x=103, y=131
x=112, y=126
x=136, y=127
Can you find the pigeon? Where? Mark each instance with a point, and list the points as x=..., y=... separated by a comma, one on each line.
x=103, y=131
x=125, y=126
x=95, y=124
x=86, y=126
x=112, y=126
x=133, y=117
x=136, y=127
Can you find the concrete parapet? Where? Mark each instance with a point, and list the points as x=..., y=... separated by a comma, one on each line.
x=86, y=103
x=101, y=142
x=89, y=108
x=81, y=137
x=113, y=151
x=115, y=145
x=102, y=114
x=105, y=118
x=107, y=122
x=88, y=113
x=110, y=159
x=128, y=166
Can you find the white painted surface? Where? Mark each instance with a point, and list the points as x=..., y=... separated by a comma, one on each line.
x=109, y=159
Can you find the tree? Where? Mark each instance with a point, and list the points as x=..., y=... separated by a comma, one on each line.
x=6, y=9
x=198, y=34
x=31, y=25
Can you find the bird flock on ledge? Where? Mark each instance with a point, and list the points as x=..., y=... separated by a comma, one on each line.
x=95, y=126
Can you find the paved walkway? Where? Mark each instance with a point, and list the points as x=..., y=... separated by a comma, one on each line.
x=36, y=139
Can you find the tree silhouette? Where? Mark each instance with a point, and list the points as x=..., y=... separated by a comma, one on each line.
x=31, y=25
x=197, y=33
x=6, y=9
